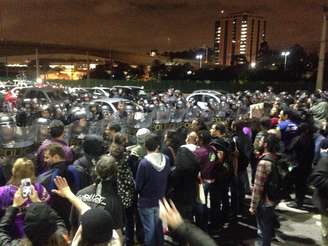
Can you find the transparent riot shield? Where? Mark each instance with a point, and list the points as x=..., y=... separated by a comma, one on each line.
x=41, y=127
x=16, y=141
x=207, y=116
x=142, y=120
x=162, y=119
x=7, y=134
x=96, y=127
x=78, y=130
x=192, y=113
x=121, y=120
x=178, y=115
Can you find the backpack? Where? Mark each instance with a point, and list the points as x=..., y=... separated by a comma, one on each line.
x=274, y=185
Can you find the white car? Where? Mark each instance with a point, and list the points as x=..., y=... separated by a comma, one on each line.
x=112, y=103
x=203, y=97
x=100, y=91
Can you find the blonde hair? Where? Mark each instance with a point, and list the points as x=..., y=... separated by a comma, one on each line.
x=22, y=168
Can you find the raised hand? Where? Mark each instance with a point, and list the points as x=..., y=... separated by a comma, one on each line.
x=169, y=214
x=63, y=189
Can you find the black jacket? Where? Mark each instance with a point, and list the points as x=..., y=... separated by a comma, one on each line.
x=194, y=236
x=85, y=168
x=183, y=178
x=319, y=179
x=61, y=205
x=9, y=219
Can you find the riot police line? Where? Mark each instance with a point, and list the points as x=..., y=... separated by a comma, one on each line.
x=23, y=131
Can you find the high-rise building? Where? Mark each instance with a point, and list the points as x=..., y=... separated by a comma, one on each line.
x=238, y=37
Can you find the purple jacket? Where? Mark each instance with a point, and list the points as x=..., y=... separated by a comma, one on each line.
x=7, y=193
x=208, y=161
x=41, y=167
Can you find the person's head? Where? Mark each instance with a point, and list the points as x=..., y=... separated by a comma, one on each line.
x=141, y=135
x=23, y=168
x=218, y=130
x=265, y=123
x=106, y=167
x=93, y=146
x=53, y=154
x=56, y=129
x=197, y=125
x=285, y=114
x=121, y=106
x=204, y=137
x=192, y=138
x=274, y=112
x=171, y=139
x=97, y=227
x=117, y=151
x=120, y=139
x=270, y=143
x=111, y=130
x=40, y=226
x=152, y=143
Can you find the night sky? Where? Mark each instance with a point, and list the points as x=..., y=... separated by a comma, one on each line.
x=139, y=25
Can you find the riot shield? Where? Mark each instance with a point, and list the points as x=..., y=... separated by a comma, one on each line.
x=96, y=127
x=176, y=118
x=41, y=126
x=162, y=119
x=78, y=130
x=7, y=134
x=16, y=141
x=142, y=120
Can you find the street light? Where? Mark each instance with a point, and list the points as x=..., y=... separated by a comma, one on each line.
x=200, y=58
x=285, y=54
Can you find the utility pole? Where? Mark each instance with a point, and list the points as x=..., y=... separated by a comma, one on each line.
x=37, y=73
x=88, y=66
x=321, y=65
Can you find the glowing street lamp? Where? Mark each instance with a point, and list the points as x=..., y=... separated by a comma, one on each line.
x=285, y=54
x=200, y=58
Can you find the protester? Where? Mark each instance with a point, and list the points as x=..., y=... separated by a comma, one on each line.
x=102, y=194
x=22, y=169
x=42, y=226
x=96, y=224
x=261, y=205
x=151, y=183
x=57, y=166
x=56, y=130
x=93, y=147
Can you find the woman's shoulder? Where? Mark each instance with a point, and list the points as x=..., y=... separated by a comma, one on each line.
x=7, y=193
x=7, y=189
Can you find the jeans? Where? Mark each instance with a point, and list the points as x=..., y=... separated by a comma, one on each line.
x=152, y=226
x=265, y=219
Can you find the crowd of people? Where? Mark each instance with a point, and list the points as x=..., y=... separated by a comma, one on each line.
x=172, y=168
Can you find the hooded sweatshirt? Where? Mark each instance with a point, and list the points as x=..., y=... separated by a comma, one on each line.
x=151, y=179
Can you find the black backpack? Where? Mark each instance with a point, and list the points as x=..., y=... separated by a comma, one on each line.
x=274, y=185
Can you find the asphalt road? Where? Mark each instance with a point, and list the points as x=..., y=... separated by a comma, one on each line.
x=298, y=228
